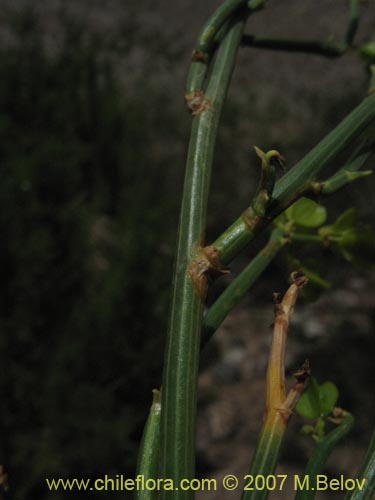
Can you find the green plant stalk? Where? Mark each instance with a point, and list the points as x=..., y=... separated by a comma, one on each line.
x=148, y=461
x=241, y=284
x=183, y=338
x=320, y=454
x=297, y=180
x=266, y=454
x=206, y=39
x=325, y=48
x=342, y=179
x=206, y=43
x=348, y=173
x=148, y=458
x=306, y=238
x=353, y=22
x=367, y=471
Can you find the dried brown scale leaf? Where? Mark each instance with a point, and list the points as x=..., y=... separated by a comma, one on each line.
x=279, y=161
x=196, y=102
x=251, y=219
x=298, y=278
x=3, y=480
x=205, y=265
x=338, y=415
x=302, y=375
x=199, y=56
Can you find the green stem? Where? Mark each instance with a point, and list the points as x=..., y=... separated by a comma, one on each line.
x=342, y=179
x=319, y=157
x=326, y=49
x=183, y=339
x=207, y=40
x=297, y=180
x=148, y=458
x=241, y=284
x=320, y=454
x=310, y=238
x=266, y=457
x=348, y=173
x=367, y=471
x=353, y=22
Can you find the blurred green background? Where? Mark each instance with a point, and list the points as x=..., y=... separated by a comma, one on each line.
x=93, y=137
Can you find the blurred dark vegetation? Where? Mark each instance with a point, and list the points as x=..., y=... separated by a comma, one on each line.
x=85, y=260
x=91, y=162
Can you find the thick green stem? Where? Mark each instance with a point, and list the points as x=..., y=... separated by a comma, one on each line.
x=148, y=458
x=183, y=340
x=298, y=179
x=367, y=472
x=320, y=454
x=241, y=284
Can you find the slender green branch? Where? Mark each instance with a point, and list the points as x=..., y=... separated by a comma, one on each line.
x=371, y=88
x=206, y=39
x=305, y=238
x=348, y=173
x=213, y=31
x=342, y=179
x=367, y=472
x=298, y=179
x=326, y=49
x=188, y=289
x=241, y=284
x=320, y=454
x=148, y=458
x=352, y=23
x=212, y=34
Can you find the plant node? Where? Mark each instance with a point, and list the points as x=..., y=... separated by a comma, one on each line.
x=196, y=102
x=199, y=56
x=205, y=265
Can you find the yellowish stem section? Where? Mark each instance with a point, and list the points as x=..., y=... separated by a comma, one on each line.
x=278, y=405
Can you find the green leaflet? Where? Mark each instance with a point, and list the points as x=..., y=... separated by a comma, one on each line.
x=317, y=400
x=306, y=213
x=355, y=241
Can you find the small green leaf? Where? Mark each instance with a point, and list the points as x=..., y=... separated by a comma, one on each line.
x=308, y=405
x=307, y=429
x=346, y=220
x=307, y=213
x=281, y=221
x=356, y=242
x=328, y=394
x=367, y=51
x=315, y=278
x=357, y=246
